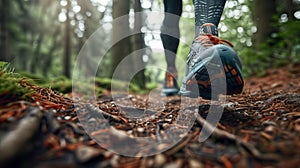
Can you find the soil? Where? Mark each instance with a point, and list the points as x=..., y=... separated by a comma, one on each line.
x=258, y=128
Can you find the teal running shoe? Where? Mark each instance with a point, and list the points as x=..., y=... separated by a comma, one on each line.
x=211, y=64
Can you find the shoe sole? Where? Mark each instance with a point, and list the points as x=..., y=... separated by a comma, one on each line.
x=232, y=72
x=169, y=92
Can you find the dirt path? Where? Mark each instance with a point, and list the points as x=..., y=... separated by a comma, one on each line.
x=258, y=128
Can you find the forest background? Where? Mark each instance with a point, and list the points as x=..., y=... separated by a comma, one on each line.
x=42, y=38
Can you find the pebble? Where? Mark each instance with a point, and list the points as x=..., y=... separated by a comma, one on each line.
x=67, y=117
x=140, y=129
x=270, y=129
x=162, y=146
x=86, y=153
x=268, y=123
x=150, y=163
x=114, y=161
x=159, y=160
x=176, y=164
x=195, y=164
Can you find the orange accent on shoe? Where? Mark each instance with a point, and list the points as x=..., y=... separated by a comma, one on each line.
x=207, y=82
x=209, y=40
x=239, y=80
x=233, y=72
x=225, y=67
x=170, y=79
x=194, y=81
x=208, y=24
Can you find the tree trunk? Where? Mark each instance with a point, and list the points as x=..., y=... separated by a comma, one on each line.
x=290, y=8
x=138, y=45
x=264, y=10
x=122, y=46
x=67, y=42
x=48, y=59
x=4, y=43
x=35, y=62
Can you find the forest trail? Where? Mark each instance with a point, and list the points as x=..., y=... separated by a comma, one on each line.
x=258, y=128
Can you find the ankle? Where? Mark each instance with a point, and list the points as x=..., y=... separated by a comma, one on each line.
x=171, y=69
x=208, y=28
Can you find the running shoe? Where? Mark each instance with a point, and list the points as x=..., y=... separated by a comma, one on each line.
x=211, y=64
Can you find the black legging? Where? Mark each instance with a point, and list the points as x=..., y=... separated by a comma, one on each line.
x=170, y=30
x=206, y=11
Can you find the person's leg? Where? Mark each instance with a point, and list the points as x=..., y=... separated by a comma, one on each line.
x=170, y=39
x=212, y=63
x=208, y=11
x=170, y=29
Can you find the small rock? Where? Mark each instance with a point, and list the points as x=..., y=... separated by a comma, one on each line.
x=86, y=153
x=270, y=129
x=162, y=146
x=67, y=117
x=129, y=132
x=114, y=161
x=268, y=123
x=195, y=164
x=150, y=163
x=275, y=85
x=227, y=105
x=176, y=164
x=165, y=125
x=140, y=129
x=108, y=154
x=159, y=160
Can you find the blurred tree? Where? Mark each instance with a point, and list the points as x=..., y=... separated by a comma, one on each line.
x=121, y=39
x=4, y=31
x=264, y=11
x=48, y=57
x=138, y=45
x=39, y=33
x=286, y=50
x=289, y=7
x=34, y=34
x=87, y=21
x=67, y=42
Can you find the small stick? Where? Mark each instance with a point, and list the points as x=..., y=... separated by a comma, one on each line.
x=14, y=141
x=247, y=146
x=180, y=146
x=279, y=97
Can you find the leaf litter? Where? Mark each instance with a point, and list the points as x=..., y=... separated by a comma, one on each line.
x=258, y=128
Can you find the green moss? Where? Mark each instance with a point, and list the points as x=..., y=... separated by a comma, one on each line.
x=10, y=85
x=36, y=79
x=11, y=88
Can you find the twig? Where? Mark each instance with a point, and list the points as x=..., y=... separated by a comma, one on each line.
x=96, y=111
x=14, y=141
x=215, y=131
x=279, y=97
x=179, y=146
x=245, y=145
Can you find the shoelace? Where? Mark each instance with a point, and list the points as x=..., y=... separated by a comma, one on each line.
x=208, y=40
